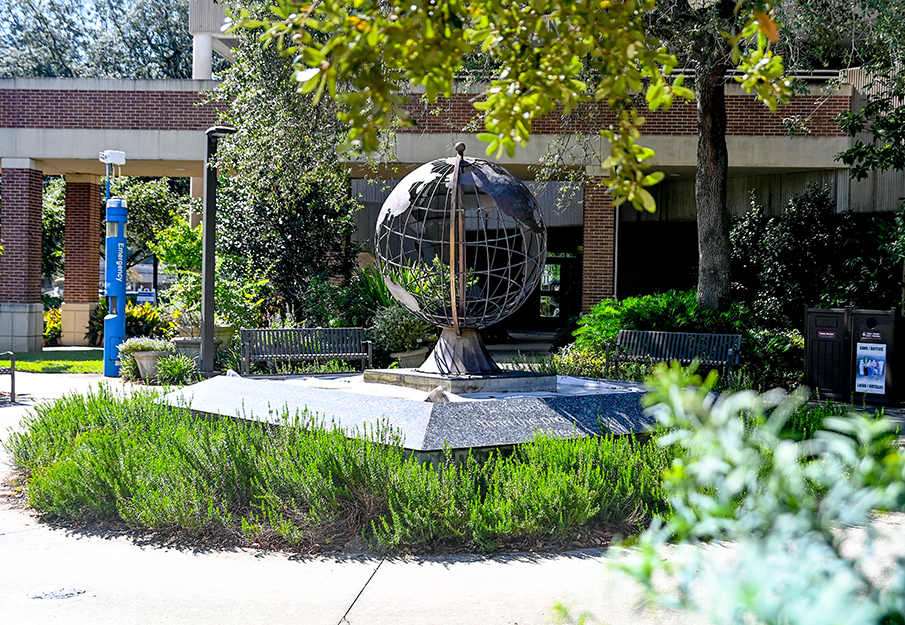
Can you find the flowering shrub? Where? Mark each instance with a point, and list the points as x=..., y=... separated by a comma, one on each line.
x=53, y=320
x=141, y=320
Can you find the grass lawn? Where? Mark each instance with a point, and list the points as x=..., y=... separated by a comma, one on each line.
x=60, y=361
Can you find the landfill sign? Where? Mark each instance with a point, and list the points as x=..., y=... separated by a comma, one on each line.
x=870, y=368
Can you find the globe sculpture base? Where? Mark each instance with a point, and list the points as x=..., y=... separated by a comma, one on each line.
x=460, y=355
x=502, y=384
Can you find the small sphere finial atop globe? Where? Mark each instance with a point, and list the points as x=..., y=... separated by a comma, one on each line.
x=461, y=242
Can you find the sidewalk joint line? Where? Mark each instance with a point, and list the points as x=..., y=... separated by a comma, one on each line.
x=11, y=532
x=355, y=600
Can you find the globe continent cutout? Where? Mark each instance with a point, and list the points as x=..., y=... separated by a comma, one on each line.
x=505, y=243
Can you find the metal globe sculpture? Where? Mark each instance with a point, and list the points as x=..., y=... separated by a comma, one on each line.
x=461, y=243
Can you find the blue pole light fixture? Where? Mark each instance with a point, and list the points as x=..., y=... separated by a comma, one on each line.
x=108, y=158
x=115, y=285
x=115, y=271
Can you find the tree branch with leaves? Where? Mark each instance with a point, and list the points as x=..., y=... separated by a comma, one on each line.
x=552, y=56
x=549, y=56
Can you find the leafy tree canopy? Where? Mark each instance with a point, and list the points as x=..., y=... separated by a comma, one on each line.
x=53, y=227
x=872, y=30
x=95, y=38
x=153, y=207
x=551, y=55
x=286, y=205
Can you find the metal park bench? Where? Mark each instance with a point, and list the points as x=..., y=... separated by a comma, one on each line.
x=11, y=372
x=651, y=346
x=315, y=344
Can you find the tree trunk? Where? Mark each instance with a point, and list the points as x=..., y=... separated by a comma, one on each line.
x=710, y=187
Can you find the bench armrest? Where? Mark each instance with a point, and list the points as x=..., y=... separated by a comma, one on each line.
x=245, y=366
x=369, y=346
x=12, y=375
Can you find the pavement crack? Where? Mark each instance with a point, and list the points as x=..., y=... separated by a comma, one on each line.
x=355, y=600
x=27, y=529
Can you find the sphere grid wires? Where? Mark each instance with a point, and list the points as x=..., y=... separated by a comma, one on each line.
x=461, y=242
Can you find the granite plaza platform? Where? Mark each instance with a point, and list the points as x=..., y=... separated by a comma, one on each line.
x=579, y=407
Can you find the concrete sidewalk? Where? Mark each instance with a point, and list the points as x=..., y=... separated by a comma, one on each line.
x=50, y=575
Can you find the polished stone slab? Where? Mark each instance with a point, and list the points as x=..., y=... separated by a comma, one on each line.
x=505, y=381
x=424, y=426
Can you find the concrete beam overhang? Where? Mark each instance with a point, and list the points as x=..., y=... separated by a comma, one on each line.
x=148, y=152
x=675, y=154
x=224, y=47
x=768, y=153
x=108, y=84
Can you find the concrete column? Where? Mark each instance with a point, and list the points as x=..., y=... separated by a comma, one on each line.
x=21, y=311
x=599, y=260
x=84, y=196
x=202, y=57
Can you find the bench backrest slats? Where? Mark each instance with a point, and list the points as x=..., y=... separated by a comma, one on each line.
x=274, y=344
x=658, y=346
x=304, y=340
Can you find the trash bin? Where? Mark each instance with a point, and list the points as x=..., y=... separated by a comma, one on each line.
x=873, y=349
x=850, y=354
x=827, y=352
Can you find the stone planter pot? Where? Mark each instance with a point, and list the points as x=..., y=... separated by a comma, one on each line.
x=191, y=347
x=223, y=335
x=188, y=332
x=411, y=358
x=147, y=363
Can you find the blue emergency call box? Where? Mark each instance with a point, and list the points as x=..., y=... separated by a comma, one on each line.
x=115, y=285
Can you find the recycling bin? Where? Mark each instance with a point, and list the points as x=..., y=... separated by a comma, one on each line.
x=827, y=353
x=874, y=352
x=851, y=355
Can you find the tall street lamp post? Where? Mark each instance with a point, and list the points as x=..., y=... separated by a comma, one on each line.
x=208, y=263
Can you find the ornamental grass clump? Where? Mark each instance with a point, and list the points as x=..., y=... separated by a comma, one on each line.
x=177, y=369
x=309, y=487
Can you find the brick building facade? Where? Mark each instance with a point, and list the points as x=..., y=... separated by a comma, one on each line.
x=58, y=126
x=745, y=117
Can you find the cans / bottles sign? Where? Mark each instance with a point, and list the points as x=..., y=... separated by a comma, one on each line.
x=871, y=335
x=870, y=372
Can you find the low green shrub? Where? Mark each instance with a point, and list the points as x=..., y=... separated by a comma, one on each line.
x=230, y=356
x=808, y=419
x=810, y=255
x=177, y=369
x=53, y=327
x=770, y=357
x=366, y=293
x=570, y=360
x=395, y=329
x=353, y=302
x=794, y=512
x=100, y=456
x=673, y=311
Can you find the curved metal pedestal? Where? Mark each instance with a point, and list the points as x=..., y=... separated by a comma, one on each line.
x=457, y=355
